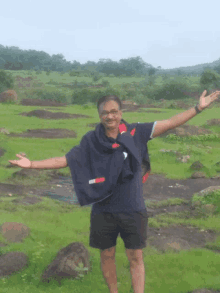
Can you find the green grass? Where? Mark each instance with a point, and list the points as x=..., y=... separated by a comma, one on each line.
x=68, y=223
x=165, y=203
x=165, y=272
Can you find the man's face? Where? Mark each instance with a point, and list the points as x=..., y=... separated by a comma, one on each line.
x=110, y=115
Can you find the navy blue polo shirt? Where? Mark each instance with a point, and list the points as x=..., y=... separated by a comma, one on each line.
x=127, y=196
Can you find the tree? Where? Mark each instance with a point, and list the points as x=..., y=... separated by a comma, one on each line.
x=6, y=81
x=210, y=77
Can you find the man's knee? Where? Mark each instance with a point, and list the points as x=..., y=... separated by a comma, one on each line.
x=108, y=253
x=134, y=255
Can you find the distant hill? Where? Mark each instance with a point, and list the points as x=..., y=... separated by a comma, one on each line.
x=196, y=69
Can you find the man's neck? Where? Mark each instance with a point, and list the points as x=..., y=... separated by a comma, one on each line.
x=112, y=133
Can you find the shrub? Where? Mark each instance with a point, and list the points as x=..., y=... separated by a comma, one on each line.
x=96, y=78
x=105, y=82
x=210, y=78
x=46, y=95
x=6, y=81
x=74, y=73
x=139, y=99
x=171, y=90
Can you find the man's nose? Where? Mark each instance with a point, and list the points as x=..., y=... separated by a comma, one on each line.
x=111, y=115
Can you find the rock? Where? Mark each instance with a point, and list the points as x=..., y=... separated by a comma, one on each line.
x=14, y=232
x=196, y=166
x=208, y=190
x=66, y=262
x=198, y=175
x=9, y=95
x=12, y=262
x=65, y=265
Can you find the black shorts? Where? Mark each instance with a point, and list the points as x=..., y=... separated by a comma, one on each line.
x=105, y=228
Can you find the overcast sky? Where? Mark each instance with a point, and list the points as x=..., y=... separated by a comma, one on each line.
x=166, y=33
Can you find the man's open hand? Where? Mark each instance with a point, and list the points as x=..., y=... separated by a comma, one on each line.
x=204, y=101
x=23, y=162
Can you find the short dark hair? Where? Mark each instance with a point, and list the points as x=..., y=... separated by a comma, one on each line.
x=105, y=99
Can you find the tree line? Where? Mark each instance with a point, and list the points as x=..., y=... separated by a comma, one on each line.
x=13, y=58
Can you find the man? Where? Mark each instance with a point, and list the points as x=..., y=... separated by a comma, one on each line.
x=106, y=172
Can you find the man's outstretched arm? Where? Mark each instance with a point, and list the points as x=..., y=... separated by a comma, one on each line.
x=177, y=120
x=53, y=163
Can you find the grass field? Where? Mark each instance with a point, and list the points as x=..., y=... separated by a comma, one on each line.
x=54, y=224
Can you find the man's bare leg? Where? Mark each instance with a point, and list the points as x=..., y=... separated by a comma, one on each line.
x=137, y=271
x=109, y=268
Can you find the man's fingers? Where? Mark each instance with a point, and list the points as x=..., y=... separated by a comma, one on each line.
x=204, y=93
x=13, y=162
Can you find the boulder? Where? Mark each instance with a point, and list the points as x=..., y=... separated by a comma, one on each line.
x=196, y=166
x=9, y=95
x=208, y=190
x=12, y=262
x=66, y=262
x=196, y=175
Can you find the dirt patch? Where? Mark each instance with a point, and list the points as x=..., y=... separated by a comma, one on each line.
x=50, y=115
x=213, y=122
x=130, y=108
x=150, y=111
x=187, y=130
x=158, y=187
x=152, y=212
x=178, y=237
x=46, y=133
x=38, y=102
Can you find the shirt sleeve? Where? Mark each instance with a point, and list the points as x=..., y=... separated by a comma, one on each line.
x=146, y=130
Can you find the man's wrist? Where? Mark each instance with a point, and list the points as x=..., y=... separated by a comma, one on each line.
x=198, y=109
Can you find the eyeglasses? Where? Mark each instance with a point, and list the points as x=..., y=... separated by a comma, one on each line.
x=113, y=112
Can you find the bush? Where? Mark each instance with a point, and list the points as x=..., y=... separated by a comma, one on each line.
x=96, y=78
x=105, y=82
x=74, y=73
x=46, y=95
x=210, y=78
x=6, y=81
x=171, y=90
